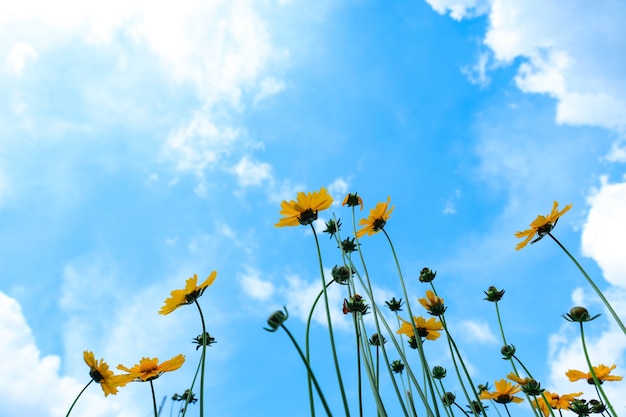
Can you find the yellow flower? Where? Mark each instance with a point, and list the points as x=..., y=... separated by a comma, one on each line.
x=100, y=372
x=353, y=200
x=432, y=303
x=190, y=294
x=517, y=379
x=377, y=219
x=503, y=393
x=602, y=373
x=425, y=328
x=541, y=226
x=555, y=401
x=148, y=369
x=304, y=210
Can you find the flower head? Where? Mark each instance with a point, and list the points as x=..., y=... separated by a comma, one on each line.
x=602, y=373
x=149, y=369
x=304, y=210
x=493, y=294
x=352, y=200
x=433, y=304
x=277, y=319
x=376, y=220
x=191, y=293
x=100, y=372
x=503, y=393
x=427, y=275
x=425, y=328
x=555, y=402
x=541, y=226
x=394, y=305
x=579, y=314
x=355, y=305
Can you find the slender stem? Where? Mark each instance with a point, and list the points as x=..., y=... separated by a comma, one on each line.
x=596, y=381
x=77, y=397
x=156, y=413
x=203, y=360
x=412, y=321
x=307, y=348
x=308, y=367
x=183, y=408
x=593, y=285
x=358, y=364
x=500, y=322
x=330, y=325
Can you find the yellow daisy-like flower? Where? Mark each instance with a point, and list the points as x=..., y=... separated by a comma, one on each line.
x=517, y=379
x=541, y=226
x=304, y=210
x=425, y=328
x=555, y=401
x=376, y=220
x=100, y=372
x=433, y=303
x=503, y=393
x=148, y=369
x=353, y=200
x=188, y=295
x=602, y=373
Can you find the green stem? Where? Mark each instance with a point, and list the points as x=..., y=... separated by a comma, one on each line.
x=593, y=285
x=500, y=323
x=358, y=364
x=307, y=348
x=330, y=326
x=596, y=381
x=156, y=413
x=412, y=321
x=308, y=367
x=203, y=360
x=183, y=409
x=77, y=397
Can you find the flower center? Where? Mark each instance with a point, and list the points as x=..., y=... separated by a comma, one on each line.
x=378, y=224
x=307, y=217
x=96, y=375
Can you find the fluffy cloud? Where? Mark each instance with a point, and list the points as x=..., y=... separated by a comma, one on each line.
x=33, y=384
x=604, y=231
x=571, y=51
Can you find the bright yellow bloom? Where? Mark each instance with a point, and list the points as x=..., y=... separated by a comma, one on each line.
x=602, y=373
x=304, y=210
x=191, y=292
x=503, y=393
x=353, y=200
x=100, y=372
x=555, y=401
x=377, y=219
x=432, y=303
x=541, y=226
x=148, y=369
x=425, y=328
x=517, y=379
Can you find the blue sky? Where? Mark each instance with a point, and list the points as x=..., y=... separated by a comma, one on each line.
x=142, y=143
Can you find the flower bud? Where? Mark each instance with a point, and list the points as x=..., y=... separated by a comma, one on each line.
x=397, y=366
x=508, y=351
x=579, y=314
x=439, y=372
x=427, y=275
x=493, y=294
x=277, y=319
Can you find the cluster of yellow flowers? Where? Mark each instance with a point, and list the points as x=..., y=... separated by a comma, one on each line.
x=148, y=369
x=304, y=211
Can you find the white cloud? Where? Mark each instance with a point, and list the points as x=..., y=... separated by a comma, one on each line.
x=18, y=56
x=301, y=294
x=33, y=384
x=250, y=173
x=571, y=51
x=254, y=286
x=460, y=9
x=604, y=231
x=477, y=332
